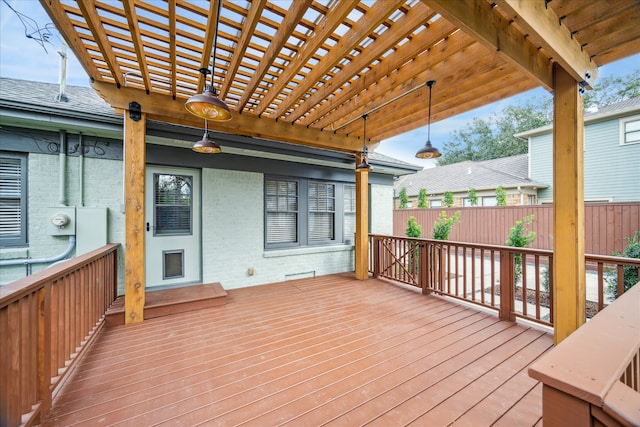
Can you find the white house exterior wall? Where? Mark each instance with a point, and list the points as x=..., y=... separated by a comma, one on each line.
x=232, y=214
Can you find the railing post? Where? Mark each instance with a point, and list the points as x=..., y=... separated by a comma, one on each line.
x=507, y=309
x=44, y=349
x=424, y=267
x=376, y=256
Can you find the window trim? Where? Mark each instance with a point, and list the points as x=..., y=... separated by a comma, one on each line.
x=22, y=238
x=623, y=122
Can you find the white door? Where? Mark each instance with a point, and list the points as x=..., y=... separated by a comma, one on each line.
x=172, y=221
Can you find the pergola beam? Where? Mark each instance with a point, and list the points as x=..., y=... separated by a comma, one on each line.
x=479, y=19
x=164, y=108
x=546, y=28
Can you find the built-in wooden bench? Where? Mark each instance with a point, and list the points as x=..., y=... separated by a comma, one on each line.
x=171, y=301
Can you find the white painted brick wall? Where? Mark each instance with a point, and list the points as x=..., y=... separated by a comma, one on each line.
x=381, y=209
x=234, y=242
x=233, y=235
x=102, y=188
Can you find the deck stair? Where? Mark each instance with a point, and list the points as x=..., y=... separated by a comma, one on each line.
x=171, y=301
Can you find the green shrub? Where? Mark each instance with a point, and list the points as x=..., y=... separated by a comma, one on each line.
x=629, y=272
x=473, y=197
x=443, y=225
x=501, y=196
x=404, y=199
x=448, y=199
x=519, y=238
x=423, y=200
x=413, y=228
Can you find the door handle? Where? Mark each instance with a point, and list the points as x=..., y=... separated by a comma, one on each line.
x=147, y=226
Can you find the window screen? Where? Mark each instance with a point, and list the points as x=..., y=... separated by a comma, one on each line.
x=631, y=131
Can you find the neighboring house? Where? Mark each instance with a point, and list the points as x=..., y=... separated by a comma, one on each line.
x=484, y=177
x=611, y=154
x=259, y=212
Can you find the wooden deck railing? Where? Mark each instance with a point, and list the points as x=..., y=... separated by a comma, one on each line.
x=46, y=322
x=604, y=388
x=486, y=274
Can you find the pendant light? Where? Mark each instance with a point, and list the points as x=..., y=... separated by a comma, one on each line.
x=207, y=105
x=364, y=165
x=206, y=144
x=428, y=151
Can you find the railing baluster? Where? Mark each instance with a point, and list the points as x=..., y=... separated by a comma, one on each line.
x=438, y=271
x=44, y=323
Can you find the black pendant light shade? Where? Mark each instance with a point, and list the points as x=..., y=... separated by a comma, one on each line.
x=364, y=165
x=207, y=105
x=428, y=151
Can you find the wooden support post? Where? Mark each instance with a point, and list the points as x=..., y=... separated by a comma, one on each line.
x=569, y=310
x=362, y=223
x=134, y=175
x=507, y=291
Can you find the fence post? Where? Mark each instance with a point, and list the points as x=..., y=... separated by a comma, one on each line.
x=507, y=296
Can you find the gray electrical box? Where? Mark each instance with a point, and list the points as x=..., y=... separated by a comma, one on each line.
x=91, y=229
x=62, y=221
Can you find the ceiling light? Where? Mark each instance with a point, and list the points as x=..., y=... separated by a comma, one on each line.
x=428, y=151
x=207, y=105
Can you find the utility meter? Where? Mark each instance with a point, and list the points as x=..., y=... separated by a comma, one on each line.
x=60, y=220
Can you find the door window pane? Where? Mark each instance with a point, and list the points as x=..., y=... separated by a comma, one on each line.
x=173, y=204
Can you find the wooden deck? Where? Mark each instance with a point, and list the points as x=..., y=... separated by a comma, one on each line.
x=327, y=350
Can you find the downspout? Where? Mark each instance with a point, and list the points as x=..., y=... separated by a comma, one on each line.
x=81, y=179
x=63, y=169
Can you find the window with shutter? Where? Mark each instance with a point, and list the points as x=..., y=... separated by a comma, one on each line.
x=322, y=203
x=281, y=199
x=13, y=200
x=349, y=212
x=302, y=212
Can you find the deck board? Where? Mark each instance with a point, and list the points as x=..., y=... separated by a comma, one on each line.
x=326, y=350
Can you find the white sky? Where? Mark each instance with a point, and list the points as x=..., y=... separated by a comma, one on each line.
x=24, y=58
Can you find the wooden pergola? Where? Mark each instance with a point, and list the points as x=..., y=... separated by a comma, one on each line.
x=306, y=71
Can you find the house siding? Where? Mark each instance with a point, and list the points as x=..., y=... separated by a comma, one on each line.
x=611, y=170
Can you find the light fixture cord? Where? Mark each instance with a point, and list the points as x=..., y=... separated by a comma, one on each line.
x=215, y=45
x=429, y=124
x=364, y=135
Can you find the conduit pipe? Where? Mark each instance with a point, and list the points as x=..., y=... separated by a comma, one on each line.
x=30, y=261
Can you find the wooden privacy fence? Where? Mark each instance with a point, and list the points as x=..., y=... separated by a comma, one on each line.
x=606, y=224
x=516, y=282
x=46, y=322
